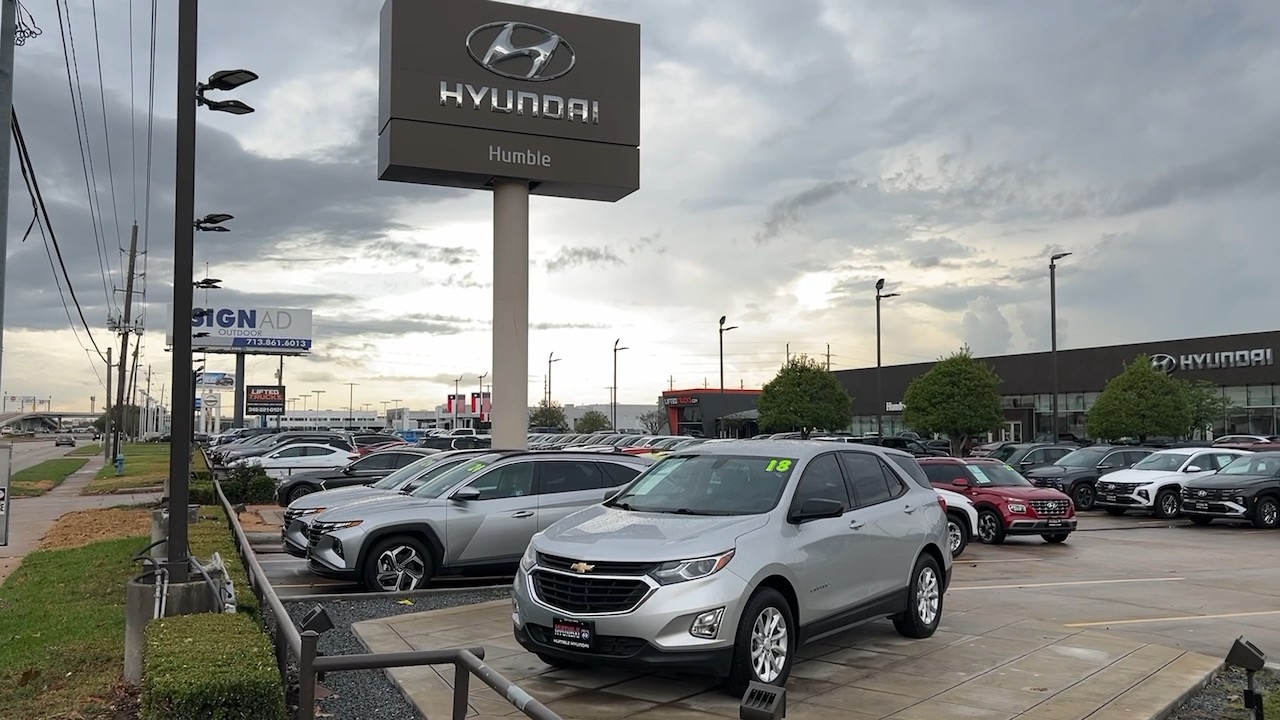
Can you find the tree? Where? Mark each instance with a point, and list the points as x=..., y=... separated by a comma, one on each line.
x=655, y=421
x=1206, y=404
x=958, y=397
x=549, y=415
x=1140, y=402
x=804, y=396
x=592, y=421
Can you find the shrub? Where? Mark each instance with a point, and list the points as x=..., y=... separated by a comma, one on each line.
x=210, y=666
x=248, y=484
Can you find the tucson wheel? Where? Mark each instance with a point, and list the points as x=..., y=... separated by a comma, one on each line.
x=398, y=564
x=1167, y=504
x=765, y=646
x=990, y=527
x=1267, y=513
x=920, y=618
x=957, y=534
x=1083, y=495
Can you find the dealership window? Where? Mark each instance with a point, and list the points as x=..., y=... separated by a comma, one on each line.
x=1236, y=396
x=1259, y=395
x=1074, y=402
x=1044, y=403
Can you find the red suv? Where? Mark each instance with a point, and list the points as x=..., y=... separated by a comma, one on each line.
x=1007, y=503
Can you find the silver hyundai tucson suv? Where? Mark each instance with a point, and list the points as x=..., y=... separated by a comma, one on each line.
x=474, y=518
x=300, y=513
x=726, y=557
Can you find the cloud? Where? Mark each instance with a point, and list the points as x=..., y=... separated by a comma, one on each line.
x=985, y=327
x=572, y=257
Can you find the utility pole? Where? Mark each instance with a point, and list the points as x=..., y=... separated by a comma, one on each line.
x=133, y=380
x=106, y=427
x=145, y=427
x=8, y=29
x=125, y=328
x=671, y=382
x=788, y=353
x=828, y=357
x=280, y=382
x=351, y=411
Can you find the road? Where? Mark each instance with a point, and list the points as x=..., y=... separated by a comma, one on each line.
x=34, y=452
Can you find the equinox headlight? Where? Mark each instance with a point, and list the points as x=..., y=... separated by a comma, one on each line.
x=529, y=559
x=682, y=570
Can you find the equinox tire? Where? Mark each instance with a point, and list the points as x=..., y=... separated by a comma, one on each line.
x=920, y=618
x=764, y=648
x=397, y=564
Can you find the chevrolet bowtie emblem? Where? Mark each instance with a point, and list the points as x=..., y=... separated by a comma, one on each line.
x=582, y=567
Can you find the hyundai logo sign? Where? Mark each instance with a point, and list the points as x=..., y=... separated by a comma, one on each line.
x=539, y=53
x=1164, y=363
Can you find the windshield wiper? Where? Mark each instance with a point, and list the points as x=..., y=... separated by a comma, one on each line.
x=687, y=511
x=620, y=505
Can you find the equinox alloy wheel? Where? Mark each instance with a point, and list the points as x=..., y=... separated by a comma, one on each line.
x=923, y=612
x=764, y=649
x=398, y=564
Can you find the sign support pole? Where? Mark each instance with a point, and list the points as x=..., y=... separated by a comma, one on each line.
x=239, y=412
x=509, y=405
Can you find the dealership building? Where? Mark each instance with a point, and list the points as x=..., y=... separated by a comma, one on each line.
x=1241, y=366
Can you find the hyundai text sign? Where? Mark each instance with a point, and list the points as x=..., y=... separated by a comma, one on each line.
x=1190, y=362
x=475, y=90
x=227, y=329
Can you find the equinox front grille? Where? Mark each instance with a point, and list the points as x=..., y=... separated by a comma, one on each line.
x=1050, y=508
x=587, y=595
x=565, y=564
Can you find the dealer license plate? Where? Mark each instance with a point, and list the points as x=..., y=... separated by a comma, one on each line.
x=1202, y=506
x=573, y=634
x=1109, y=498
x=1055, y=523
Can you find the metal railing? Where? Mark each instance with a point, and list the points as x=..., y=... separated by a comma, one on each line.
x=287, y=640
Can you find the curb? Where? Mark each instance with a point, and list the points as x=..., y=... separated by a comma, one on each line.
x=320, y=597
x=1175, y=704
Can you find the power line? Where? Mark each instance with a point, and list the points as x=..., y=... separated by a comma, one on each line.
x=133, y=123
x=33, y=185
x=99, y=240
x=106, y=127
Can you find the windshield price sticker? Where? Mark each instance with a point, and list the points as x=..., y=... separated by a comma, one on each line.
x=475, y=466
x=778, y=465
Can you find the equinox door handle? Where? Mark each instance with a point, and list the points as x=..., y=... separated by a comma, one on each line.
x=908, y=509
x=522, y=514
x=856, y=524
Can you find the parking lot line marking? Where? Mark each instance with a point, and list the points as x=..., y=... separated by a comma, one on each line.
x=1061, y=584
x=965, y=562
x=309, y=585
x=1175, y=618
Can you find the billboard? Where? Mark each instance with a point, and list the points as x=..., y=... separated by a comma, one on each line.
x=234, y=329
x=264, y=400
x=474, y=90
x=215, y=380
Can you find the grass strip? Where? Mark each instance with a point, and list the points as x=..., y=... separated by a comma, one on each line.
x=40, y=479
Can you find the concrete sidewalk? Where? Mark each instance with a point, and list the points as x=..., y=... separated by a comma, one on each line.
x=980, y=664
x=31, y=517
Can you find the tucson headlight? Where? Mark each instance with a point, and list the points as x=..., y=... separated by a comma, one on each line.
x=342, y=525
x=1017, y=508
x=529, y=559
x=682, y=570
x=308, y=511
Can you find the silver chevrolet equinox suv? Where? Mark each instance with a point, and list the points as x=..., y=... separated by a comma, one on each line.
x=726, y=557
x=474, y=518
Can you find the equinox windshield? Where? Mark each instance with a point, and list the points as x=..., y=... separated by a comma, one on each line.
x=708, y=485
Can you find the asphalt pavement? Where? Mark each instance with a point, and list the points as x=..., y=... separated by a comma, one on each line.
x=33, y=452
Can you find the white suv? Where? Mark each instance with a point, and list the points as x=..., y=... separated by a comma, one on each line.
x=1154, y=483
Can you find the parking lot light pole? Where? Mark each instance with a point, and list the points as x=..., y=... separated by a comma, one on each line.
x=880, y=295
x=480, y=400
x=551, y=358
x=453, y=402
x=351, y=396
x=723, y=330
x=397, y=408
x=613, y=407
x=1053, y=338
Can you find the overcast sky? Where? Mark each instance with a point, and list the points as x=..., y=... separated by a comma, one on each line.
x=791, y=154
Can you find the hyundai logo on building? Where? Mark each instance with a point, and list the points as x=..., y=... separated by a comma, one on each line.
x=1257, y=357
x=1164, y=363
x=503, y=49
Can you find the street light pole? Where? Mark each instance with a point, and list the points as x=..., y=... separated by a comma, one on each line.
x=317, y=393
x=453, y=402
x=879, y=369
x=480, y=401
x=398, y=418
x=723, y=330
x=551, y=358
x=1053, y=338
x=613, y=407
x=351, y=396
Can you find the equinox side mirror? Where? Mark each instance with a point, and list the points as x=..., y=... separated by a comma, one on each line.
x=1194, y=469
x=466, y=494
x=815, y=509
x=960, y=482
